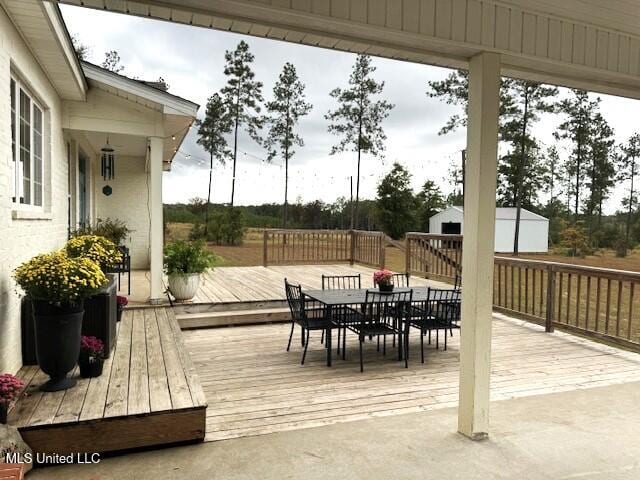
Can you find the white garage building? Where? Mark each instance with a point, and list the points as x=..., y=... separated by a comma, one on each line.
x=534, y=228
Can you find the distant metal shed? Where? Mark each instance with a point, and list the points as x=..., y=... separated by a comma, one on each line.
x=534, y=228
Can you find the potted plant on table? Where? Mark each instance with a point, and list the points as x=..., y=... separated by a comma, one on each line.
x=99, y=249
x=57, y=286
x=10, y=388
x=384, y=280
x=91, y=357
x=184, y=263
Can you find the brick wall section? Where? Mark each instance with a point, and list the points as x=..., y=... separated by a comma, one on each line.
x=128, y=202
x=21, y=239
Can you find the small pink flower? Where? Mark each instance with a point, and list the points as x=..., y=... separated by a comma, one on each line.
x=91, y=345
x=10, y=387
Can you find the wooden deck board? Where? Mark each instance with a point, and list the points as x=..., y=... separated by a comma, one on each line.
x=255, y=387
x=244, y=284
x=149, y=394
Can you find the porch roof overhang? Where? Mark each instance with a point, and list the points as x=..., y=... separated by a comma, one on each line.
x=130, y=111
x=44, y=31
x=576, y=43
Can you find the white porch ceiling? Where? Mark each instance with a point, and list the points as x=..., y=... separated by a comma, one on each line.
x=44, y=31
x=587, y=44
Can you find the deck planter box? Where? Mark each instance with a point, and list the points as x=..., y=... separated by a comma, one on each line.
x=101, y=315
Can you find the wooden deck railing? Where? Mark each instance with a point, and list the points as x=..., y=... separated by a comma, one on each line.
x=287, y=247
x=433, y=255
x=594, y=302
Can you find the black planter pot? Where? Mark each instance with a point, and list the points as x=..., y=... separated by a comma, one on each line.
x=4, y=407
x=90, y=369
x=57, y=332
x=385, y=287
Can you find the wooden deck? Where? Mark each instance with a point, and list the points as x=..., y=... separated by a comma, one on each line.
x=251, y=284
x=254, y=387
x=149, y=394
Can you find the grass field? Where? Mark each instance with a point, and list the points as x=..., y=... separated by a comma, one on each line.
x=250, y=253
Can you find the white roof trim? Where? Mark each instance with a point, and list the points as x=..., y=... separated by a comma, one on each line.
x=172, y=104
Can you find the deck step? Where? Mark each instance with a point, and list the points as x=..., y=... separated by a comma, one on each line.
x=233, y=317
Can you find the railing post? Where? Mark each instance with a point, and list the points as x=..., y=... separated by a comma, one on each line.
x=352, y=253
x=265, y=239
x=551, y=299
x=382, y=250
x=407, y=254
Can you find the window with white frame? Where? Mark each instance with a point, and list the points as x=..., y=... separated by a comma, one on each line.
x=27, y=127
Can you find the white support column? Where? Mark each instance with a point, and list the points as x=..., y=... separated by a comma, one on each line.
x=478, y=245
x=156, y=258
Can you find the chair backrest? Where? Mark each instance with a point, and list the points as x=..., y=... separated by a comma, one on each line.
x=341, y=282
x=383, y=307
x=295, y=299
x=401, y=279
x=443, y=303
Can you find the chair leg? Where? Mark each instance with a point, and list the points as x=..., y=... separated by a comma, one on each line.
x=438, y=338
x=422, y=345
x=445, y=340
x=384, y=344
x=361, y=339
x=302, y=337
x=322, y=338
x=293, y=324
x=306, y=345
x=451, y=331
x=378, y=342
x=429, y=336
x=406, y=346
x=394, y=341
x=344, y=343
x=339, y=341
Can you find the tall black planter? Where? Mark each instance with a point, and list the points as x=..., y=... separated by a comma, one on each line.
x=57, y=332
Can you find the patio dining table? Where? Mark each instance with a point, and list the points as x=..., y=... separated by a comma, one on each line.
x=334, y=299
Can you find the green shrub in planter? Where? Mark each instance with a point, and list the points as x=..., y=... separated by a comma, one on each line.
x=184, y=263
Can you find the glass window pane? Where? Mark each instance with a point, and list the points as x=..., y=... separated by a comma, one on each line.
x=14, y=132
x=37, y=156
x=25, y=145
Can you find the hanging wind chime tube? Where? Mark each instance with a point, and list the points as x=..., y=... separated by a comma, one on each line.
x=108, y=162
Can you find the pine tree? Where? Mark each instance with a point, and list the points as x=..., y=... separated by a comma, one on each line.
x=627, y=171
x=521, y=170
x=600, y=178
x=358, y=118
x=395, y=203
x=285, y=110
x=242, y=96
x=211, y=135
x=579, y=111
x=112, y=61
x=431, y=201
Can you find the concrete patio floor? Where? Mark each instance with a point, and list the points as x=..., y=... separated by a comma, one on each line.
x=586, y=434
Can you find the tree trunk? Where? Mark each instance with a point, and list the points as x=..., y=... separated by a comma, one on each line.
x=286, y=186
x=235, y=146
x=630, y=211
x=355, y=214
x=523, y=159
x=206, y=213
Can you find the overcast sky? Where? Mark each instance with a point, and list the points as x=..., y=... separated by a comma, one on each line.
x=191, y=60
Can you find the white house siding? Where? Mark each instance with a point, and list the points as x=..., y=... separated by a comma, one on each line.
x=128, y=202
x=20, y=239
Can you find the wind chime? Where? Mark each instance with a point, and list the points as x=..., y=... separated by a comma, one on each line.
x=108, y=162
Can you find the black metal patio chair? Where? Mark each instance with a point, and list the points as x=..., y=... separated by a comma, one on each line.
x=440, y=312
x=310, y=315
x=341, y=282
x=401, y=280
x=123, y=267
x=382, y=314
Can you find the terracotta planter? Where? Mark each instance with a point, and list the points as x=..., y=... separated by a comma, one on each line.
x=57, y=332
x=184, y=286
